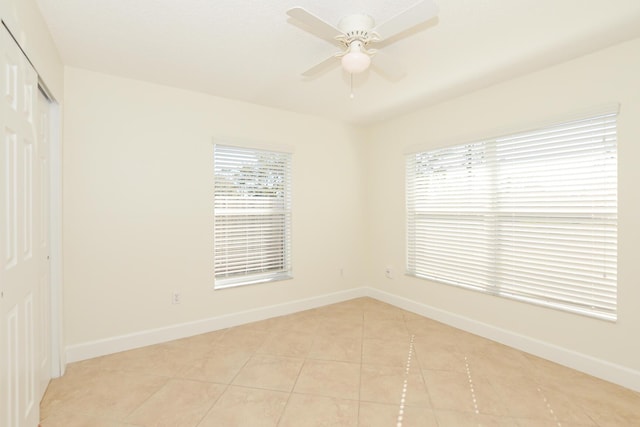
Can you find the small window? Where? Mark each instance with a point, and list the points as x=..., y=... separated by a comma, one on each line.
x=252, y=216
x=530, y=216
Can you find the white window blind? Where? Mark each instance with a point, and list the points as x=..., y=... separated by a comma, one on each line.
x=252, y=216
x=531, y=216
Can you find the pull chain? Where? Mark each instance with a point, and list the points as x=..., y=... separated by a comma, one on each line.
x=351, y=95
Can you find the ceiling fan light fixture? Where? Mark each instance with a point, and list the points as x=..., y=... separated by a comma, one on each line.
x=356, y=32
x=355, y=61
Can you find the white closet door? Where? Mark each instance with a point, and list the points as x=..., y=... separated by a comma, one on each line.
x=20, y=240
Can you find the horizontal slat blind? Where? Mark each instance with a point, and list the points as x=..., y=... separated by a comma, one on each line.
x=530, y=216
x=252, y=215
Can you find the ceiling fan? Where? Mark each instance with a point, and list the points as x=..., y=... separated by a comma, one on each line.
x=355, y=33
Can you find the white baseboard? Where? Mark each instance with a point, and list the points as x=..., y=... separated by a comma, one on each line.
x=91, y=349
x=590, y=365
x=598, y=368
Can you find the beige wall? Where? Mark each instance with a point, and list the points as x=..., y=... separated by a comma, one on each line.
x=609, y=76
x=138, y=205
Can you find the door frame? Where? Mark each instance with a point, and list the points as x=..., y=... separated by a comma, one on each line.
x=58, y=358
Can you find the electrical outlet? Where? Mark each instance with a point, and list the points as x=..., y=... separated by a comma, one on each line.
x=175, y=297
x=388, y=271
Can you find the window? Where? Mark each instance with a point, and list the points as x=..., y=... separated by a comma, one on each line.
x=252, y=216
x=530, y=216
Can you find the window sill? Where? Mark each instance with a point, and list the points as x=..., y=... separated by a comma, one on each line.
x=246, y=281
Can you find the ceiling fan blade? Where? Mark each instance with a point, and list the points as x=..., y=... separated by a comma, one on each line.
x=409, y=18
x=322, y=67
x=387, y=66
x=315, y=25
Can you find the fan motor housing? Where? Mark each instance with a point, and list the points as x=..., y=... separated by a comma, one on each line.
x=356, y=27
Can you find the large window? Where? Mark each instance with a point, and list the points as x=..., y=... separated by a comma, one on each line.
x=252, y=216
x=530, y=216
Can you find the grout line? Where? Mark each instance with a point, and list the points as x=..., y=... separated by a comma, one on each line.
x=471, y=386
x=403, y=397
x=213, y=404
x=549, y=407
x=304, y=361
x=361, y=363
x=420, y=370
x=148, y=398
x=216, y=345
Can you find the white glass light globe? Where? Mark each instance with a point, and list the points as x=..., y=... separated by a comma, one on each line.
x=355, y=61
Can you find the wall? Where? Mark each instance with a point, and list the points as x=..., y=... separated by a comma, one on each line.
x=608, y=76
x=138, y=205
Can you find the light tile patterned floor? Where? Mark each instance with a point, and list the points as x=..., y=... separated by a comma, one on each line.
x=357, y=363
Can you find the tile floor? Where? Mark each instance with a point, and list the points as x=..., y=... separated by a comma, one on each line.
x=357, y=363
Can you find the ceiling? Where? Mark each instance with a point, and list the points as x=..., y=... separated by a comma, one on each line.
x=250, y=50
